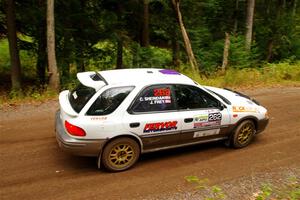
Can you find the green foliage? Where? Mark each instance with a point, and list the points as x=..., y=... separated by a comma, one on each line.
x=289, y=190
x=152, y=57
x=87, y=33
x=213, y=192
x=4, y=56
x=266, y=191
x=27, y=58
x=239, y=57
x=284, y=73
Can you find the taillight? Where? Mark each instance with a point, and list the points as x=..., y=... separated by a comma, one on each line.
x=74, y=130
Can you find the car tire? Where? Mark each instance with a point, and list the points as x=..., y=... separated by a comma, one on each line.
x=243, y=134
x=120, y=154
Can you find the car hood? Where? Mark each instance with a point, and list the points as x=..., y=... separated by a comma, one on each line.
x=236, y=99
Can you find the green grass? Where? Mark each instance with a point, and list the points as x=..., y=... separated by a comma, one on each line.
x=29, y=95
x=282, y=74
x=270, y=75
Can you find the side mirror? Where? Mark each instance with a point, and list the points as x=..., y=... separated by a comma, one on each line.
x=222, y=106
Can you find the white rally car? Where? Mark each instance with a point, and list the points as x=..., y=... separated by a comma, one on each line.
x=118, y=114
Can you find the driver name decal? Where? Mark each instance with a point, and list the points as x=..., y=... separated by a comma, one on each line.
x=160, y=126
x=160, y=96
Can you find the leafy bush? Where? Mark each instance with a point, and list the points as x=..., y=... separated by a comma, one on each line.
x=27, y=59
x=152, y=57
x=239, y=57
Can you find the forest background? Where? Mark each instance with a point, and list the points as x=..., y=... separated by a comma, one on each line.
x=226, y=43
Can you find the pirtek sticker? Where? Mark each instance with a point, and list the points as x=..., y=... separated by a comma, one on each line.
x=160, y=126
x=243, y=109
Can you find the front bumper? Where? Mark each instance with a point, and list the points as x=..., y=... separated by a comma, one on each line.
x=82, y=147
x=262, y=124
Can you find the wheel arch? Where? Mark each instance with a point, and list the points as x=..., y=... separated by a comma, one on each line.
x=131, y=136
x=127, y=135
x=252, y=118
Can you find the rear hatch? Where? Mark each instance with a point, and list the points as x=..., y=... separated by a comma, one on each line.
x=72, y=102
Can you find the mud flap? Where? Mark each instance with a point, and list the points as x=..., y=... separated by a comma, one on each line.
x=99, y=160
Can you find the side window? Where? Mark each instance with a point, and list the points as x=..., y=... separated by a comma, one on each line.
x=154, y=98
x=191, y=97
x=109, y=101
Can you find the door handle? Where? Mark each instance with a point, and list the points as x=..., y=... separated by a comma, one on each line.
x=134, y=124
x=188, y=120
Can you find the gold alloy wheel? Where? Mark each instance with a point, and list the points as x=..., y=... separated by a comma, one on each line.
x=121, y=155
x=245, y=133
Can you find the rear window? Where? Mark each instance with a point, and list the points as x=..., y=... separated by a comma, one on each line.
x=109, y=100
x=80, y=96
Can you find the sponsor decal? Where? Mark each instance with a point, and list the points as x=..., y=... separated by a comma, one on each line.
x=161, y=96
x=74, y=95
x=205, y=124
x=98, y=118
x=169, y=72
x=243, y=109
x=201, y=118
x=206, y=133
x=209, y=119
x=160, y=126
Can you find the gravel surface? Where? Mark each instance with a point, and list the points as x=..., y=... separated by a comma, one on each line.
x=33, y=167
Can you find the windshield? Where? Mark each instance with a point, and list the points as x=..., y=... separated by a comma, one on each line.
x=80, y=96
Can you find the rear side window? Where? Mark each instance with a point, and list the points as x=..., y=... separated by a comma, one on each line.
x=109, y=101
x=153, y=99
x=80, y=96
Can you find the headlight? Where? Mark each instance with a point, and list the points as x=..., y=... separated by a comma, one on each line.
x=267, y=115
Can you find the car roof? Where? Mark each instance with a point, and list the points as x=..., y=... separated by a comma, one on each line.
x=139, y=76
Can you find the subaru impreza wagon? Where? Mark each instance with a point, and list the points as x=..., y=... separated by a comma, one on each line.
x=117, y=115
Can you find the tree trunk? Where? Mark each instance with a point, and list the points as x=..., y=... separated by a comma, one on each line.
x=270, y=51
x=119, y=53
x=226, y=51
x=294, y=8
x=175, y=51
x=145, y=32
x=186, y=40
x=53, y=72
x=235, y=26
x=249, y=23
x=13, y=46
x=135, y=55
x=41, y=57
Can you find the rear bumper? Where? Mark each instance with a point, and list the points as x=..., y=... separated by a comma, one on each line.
x=82, y=147
x=262, y=124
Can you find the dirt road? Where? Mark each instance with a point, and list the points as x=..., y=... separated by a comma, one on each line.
x=33, y=167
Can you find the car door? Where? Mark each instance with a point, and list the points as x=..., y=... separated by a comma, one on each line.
x=154, y=118
x=203, y=117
